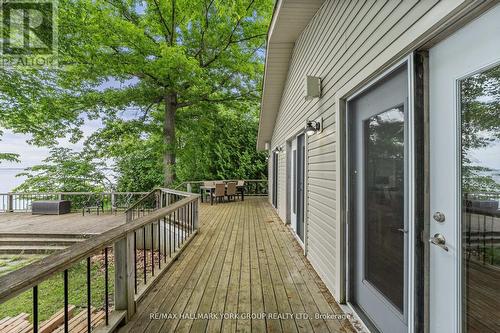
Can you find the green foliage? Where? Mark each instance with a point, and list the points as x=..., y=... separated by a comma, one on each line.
x=480, y=103
x=9, y=157
x=188, y=58
x=66, y=171
x=220, y=144
x=212, y=143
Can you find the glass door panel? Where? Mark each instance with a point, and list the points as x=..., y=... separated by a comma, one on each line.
x=480, y=187
x=384, y=204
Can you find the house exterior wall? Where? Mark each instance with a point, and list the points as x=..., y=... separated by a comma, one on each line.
x=346, y=43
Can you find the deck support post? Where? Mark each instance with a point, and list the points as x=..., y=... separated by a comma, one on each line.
x=113, y=201
x=10, y=202
x=196, y=220
x=124, y=275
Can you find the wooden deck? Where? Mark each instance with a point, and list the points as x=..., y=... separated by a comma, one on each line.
x=243, y=261
x=74, y=223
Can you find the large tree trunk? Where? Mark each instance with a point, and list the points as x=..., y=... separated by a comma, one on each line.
x=169, y=138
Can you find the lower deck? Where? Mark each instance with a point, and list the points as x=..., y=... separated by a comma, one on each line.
x=69, y=224
x=244, y=271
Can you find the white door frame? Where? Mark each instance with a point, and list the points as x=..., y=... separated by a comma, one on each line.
x=292, y=189
x=474, y=60
x=289, y=158
x=411, y=297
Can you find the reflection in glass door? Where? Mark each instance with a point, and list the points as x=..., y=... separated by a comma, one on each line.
x=378, y=195
x=480, y=186
x=384, y=188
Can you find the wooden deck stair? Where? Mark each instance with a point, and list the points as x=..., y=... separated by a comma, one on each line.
x=15, y=243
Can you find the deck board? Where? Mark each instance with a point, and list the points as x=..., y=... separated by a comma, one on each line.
x=243, y=260
x=73, y=223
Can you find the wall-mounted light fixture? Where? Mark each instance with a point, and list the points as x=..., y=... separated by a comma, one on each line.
x=313, y=87
x=314, y=126
x=278, y=149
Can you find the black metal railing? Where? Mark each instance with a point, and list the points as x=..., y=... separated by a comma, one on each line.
x=141, y=250
x=481, y=227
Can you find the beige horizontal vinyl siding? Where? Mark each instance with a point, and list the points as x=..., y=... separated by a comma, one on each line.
x=342, y=40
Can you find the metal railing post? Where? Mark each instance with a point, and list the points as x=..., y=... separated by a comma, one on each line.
x=189, y=187
x=125, y=275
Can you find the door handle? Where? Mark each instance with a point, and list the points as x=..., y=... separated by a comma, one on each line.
x=402, y=230
x=440, y=241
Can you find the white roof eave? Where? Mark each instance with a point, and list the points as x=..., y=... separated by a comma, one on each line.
x=289, y=20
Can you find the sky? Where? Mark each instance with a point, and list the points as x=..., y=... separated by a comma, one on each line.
x=31, y=155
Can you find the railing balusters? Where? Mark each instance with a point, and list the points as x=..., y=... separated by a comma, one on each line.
x=35, y=309
x=181, y=225
x=135, y=261
x=106, y=291
x=66, y=302
x=152, y=250
x=181, y=220
x=159, y=244
x=169, y=235
x=164, y=239
x=192, y=217
x=492, y=247
x=188, y=218
x=89, y=299
x=144, y=253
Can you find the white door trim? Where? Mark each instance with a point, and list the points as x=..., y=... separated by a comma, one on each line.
x=480, y=54
x=290, y=142
x=410, y=168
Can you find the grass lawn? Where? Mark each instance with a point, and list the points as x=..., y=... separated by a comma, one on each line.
x=10, y=263
x=51, y=292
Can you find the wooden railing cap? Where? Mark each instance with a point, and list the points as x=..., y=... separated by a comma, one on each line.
x=29, y=276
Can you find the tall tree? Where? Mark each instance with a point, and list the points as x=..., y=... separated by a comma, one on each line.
x=122, y=54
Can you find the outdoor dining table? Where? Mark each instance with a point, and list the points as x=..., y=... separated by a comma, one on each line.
x=211, y=188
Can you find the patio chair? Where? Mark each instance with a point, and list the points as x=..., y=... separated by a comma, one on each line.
x=220, y=192
x=93, y=201
x=231, y=190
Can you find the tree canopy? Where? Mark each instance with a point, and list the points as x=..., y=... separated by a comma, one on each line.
x=187, y=66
